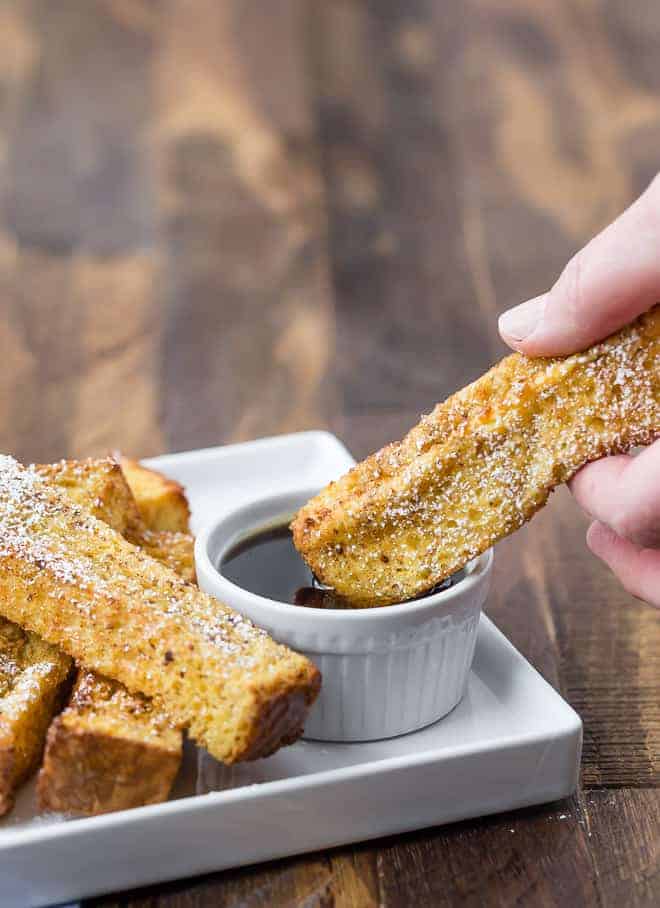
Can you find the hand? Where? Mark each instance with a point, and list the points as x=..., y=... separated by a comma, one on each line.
x=607, y=284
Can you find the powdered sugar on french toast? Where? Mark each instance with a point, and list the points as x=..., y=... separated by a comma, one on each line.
x=479, y=466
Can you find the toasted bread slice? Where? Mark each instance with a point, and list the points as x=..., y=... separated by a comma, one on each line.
x=72, y=579
x=34, y=674
x=33, y=683
x=108, y=750
x=100, y=485
x=479, y=466
x=26, y=662
x=162, y=501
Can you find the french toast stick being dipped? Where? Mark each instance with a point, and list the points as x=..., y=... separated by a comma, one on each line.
x=110, y=749
x=72, y=579
x=479, y=466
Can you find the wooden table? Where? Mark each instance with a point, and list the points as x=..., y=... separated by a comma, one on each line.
x=232, y=218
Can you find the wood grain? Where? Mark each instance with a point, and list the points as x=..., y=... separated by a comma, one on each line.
x=243, y=222
x=229, y=219
x=519, y=133
x=78, y=263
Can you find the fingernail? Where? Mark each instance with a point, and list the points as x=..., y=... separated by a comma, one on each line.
x=600, y=538
x=521, y=321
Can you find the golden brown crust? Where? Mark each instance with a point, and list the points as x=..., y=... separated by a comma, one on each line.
x=479, y=466
x=161, y=501
x=109, y=750
x=34, y=675
x=77, y=583
x=98, y=484
x=101, y=486
x=175, y=550
x=33, y=682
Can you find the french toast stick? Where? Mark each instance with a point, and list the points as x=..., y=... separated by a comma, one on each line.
x=479, y=466
x=100, y=485
x=161, y=501
x=72, y=579
x=34, y=675
x=34, y=679
x=110, y=749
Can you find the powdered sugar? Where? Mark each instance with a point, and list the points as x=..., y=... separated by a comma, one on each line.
x=479, y=466
x=38, y=525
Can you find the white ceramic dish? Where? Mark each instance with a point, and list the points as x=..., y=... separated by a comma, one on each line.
x=511, y=742
x=386, y=671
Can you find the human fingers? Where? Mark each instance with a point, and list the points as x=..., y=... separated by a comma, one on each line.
x=606, y=285
x=637, y=568
x=624, y=493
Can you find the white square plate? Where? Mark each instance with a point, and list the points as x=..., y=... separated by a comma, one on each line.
x=510, y=743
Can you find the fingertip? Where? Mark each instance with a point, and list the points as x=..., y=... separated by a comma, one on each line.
x=638, y=569
x=516, y=345
x=600, y=539
x=533, y=330
x=605, y=286
x=606, y=544
x=593, y=485
x=518, y=325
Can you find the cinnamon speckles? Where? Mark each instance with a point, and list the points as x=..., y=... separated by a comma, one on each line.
x=37, y=525
x=76, y=582
x=479, y=466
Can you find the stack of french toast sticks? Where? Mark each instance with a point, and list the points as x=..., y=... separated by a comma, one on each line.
x=108, y=650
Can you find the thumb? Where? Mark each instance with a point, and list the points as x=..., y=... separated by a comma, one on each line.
x=605, y=286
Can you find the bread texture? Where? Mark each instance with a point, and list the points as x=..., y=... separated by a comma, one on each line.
x=98, y=484
x=34, y=675
x=479, y=466
x=101, y=486
x=161, y=501
x=108, y=750
x=76, y=582
x=174, y=550
x=34, y=679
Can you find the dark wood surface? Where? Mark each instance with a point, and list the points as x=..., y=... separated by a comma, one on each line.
x=231, y=218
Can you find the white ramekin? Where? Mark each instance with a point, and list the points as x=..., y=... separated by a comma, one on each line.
x=386, y=671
